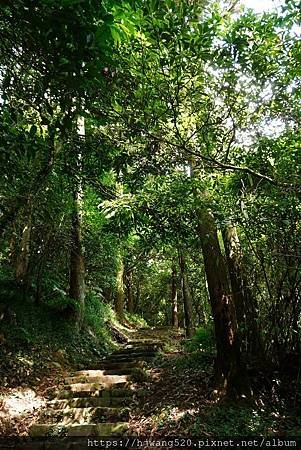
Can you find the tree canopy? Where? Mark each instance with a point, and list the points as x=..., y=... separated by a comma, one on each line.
x=150, y=162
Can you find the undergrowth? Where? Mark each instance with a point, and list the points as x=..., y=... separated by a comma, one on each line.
x=202, y=341
x=243, y=420
x=198, y=352
x=34, y=334
x=26, y=323
x=136, y=320
x=185, y=405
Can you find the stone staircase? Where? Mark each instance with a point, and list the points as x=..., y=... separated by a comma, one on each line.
x=96, y=402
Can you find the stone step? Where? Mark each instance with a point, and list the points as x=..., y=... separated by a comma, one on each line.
x=89, y=402
x=143, y=345
x=105, y=382
x=109, y=377
x=120, y=365
x=97, y=373
x=86, y=390
x=117, y=367
x=134, y=352
x=129, y=357
x=120, y=372
x=140, y=348
x=77, y=387
x=95, y=376
x=89, y=414
x=100, y=429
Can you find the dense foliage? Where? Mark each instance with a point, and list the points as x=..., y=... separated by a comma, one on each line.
x=150, y=160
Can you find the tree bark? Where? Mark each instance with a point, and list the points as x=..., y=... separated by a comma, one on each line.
x=174, y=298
x=77, y=265
x=245, y=305
x=187, y=299
x=9, y=216
x=119, y=301
x=228, y=365
x=137, y=296
x=130, y=294
x=22, y=259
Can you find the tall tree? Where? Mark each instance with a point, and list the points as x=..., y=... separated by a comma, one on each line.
x=228, y=360
x=120, y=294
x=186, y=294
x=174, y=297
x=129, y=291
x=77, y=265
x=246, y=308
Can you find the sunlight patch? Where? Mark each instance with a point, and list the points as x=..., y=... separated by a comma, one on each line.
x=179, y=414
x=18, y=402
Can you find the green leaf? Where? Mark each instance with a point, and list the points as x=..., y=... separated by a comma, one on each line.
x=115, y=35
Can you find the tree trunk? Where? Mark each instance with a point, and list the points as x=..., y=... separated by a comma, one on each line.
x=246, y=310
x=119, y=301
x=107, y=294
x=9, y=216
x=187, y=299
x=22, y=259
x=174, y=298
x=77, y=265
x=228, y=365
x=137, y=296
x=130, y=294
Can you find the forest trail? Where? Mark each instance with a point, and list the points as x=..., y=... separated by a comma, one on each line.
x=97, y=401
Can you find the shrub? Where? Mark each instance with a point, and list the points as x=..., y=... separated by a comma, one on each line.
x=203, y=341
x=135, y=320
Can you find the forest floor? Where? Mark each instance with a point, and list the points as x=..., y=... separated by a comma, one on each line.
x=177, y=394
x=29, y=378
x=179, y=400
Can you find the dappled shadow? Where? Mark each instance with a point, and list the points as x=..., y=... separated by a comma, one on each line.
x=178, y=400
x=18, y=407
x=171, y=397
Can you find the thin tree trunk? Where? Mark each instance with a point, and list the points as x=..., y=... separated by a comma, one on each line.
x=187, y=299
x=22, y=259
x=130, y=294
x=107, y=294
x=174, y=298
x=10, y=215
x=137, y=296
x=229, y=369
x=77, y=265
x=246, y=309
x=119, y=301
x=228, y=363
x=233, y=255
